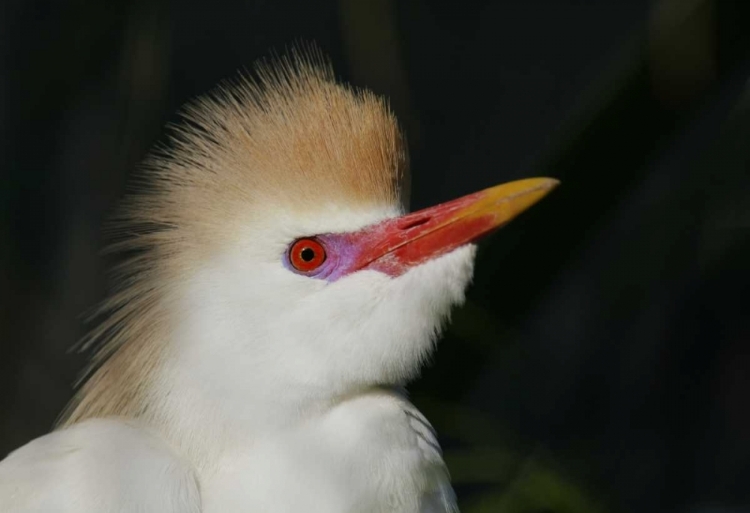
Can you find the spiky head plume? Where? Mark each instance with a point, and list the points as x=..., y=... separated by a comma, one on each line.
x=288, y=140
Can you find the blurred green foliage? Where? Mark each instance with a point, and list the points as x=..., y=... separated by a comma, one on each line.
x=515, y=482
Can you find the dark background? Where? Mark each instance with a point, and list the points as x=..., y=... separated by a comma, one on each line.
x=601, y=363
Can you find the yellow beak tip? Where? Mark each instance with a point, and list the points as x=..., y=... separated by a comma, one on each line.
x=510, y=199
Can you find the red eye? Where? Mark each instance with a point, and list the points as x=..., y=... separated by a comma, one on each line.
x=306, y=255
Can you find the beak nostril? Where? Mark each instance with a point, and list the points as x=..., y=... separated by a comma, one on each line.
x=412, y=223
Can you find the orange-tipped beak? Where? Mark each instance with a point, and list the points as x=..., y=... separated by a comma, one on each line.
x=395, y=245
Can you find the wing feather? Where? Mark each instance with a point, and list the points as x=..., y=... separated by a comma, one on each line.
x=98, y=466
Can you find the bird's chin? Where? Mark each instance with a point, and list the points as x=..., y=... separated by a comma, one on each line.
x=446, y=277
x=436, y=287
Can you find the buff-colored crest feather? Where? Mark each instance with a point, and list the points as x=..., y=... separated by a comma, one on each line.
x=291, y=139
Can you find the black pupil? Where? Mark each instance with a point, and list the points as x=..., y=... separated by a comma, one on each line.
x=307, y=254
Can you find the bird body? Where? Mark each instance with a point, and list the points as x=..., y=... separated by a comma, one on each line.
x=275, y=299
x=107, y=465
x=100, y=465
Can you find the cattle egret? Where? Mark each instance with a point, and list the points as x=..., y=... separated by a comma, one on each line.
x=274, y=300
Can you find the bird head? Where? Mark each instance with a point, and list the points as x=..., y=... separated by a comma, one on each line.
x=273, y=260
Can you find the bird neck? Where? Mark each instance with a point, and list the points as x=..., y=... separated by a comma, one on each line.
x=187, y=411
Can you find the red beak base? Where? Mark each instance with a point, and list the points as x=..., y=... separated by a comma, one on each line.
x=396, y=245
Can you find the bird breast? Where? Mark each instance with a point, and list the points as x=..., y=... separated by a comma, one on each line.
x=373, y=453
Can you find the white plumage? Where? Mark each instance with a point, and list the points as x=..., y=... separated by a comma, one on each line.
x=235, y=377
x=100, y=465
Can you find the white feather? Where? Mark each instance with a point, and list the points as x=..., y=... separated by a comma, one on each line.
x=98, y=466
x=271, y=399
